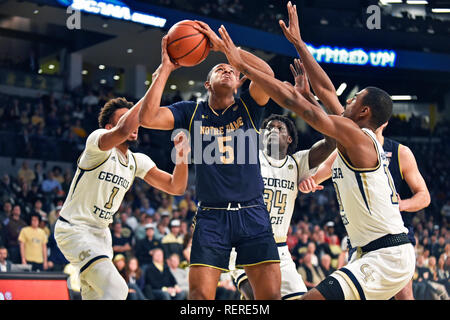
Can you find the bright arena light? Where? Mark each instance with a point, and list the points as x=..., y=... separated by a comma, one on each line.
x=341, y=89
x=403, y=97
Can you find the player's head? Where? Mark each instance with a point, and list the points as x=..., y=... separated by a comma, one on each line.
x=110, y=114
x=370, y=107
x=221, y=78
x=280, y=130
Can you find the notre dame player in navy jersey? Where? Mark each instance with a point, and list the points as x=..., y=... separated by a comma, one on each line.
x=411, y=188
x=229, y=185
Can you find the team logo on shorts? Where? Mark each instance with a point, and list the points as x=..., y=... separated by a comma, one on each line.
x=84, y=254
x=367, y=272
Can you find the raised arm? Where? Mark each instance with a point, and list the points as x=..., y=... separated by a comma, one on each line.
x=288, y=97
x=320, y=151
x=323, y=173
x=320, y=82
x=415, y=181
x=126, y=125
x=151, y=115
x=257, y=93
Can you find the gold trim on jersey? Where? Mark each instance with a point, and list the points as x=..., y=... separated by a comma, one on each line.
x=128, y=159
x=363, y=169
x=350, y=283
x=267, y=158
x=366, y=188
x=399, y=163
x=281, y=239
x=192, y=118
x=255, y=264
x=251, y=120
x=214, y=111
x=94, y=167
x=207, y=265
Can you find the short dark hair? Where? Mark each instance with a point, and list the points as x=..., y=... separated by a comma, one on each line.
x=37, y=215
x=292, y=130
x=380, y=103
x=107, y=112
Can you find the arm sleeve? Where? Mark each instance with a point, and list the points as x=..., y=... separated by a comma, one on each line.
x=302, y=159
x=143, y=164
x=182, y=113
x=92, y=154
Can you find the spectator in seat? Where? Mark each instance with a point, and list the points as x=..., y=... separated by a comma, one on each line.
x=159, y=281
x=33, y=245
x=15, y=224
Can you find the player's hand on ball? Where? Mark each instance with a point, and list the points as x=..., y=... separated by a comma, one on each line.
x=165, y=59
x=215, y=42
x=291, y=32
x=230, y=50
x=182, y=145
x=309, y=185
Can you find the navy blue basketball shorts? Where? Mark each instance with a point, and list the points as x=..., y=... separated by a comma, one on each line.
x=247, y=228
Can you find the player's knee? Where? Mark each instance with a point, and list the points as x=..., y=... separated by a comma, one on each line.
x=104, y=278
x=119, y=290
x=200, y=293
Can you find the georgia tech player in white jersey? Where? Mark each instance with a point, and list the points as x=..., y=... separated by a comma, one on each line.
x=105, y=171
x=281, y=172
x=385, y=264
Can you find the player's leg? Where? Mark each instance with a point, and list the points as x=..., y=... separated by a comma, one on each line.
x=245, y=288
x=102, y=281
x=203, y=282
x=210, y=253
x=406, y=293
x=265, y=279
x=256, y=250
x=292, y=284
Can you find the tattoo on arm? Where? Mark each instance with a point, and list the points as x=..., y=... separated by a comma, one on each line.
x=309, y=115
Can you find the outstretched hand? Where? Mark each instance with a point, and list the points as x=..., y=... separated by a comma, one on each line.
x=291, y=32
x=309, y=185
x=215, y=42
x=230, y=50
x=300, y=77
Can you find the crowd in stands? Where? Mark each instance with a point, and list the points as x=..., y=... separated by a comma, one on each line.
x=152, y=230
x=313, y=13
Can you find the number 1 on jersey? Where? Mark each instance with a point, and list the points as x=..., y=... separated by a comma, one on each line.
x=109, y=204
x=394, y=196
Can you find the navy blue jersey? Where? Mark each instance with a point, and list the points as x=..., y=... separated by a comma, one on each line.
x=224, y=145
x=391, y=149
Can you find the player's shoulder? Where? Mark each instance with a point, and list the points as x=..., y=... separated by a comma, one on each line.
x=405, y=153
x=246, y=98
x=185, y=104
x=301, y=155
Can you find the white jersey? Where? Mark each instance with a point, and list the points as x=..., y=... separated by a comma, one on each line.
x=281, y=178
x=367, y=198
x=100, y=183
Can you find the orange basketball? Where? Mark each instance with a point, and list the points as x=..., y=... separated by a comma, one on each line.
x=186, y=45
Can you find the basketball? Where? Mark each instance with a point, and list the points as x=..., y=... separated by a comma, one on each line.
x=186, y=45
